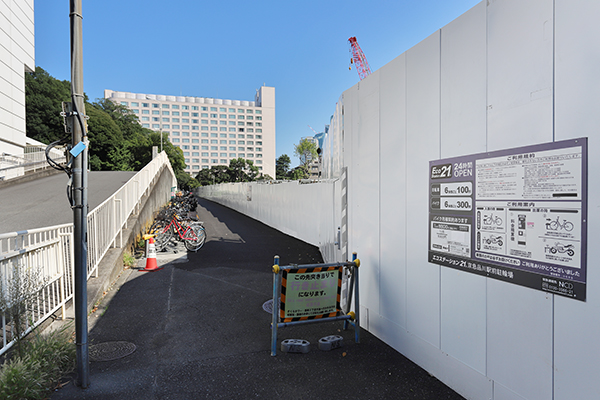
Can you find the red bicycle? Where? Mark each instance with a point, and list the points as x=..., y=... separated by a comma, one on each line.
x=191, y=233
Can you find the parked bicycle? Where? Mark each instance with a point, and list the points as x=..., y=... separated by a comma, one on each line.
x=174, y=222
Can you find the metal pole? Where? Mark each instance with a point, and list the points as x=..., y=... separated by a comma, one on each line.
x=275, y=310
x=79, y=192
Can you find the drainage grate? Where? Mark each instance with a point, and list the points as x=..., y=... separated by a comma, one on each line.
x=110, y=351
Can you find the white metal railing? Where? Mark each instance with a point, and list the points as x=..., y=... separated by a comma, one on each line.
x=50, y=250
x=33, y=159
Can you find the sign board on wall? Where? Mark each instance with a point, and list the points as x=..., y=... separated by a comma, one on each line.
x=517, y=215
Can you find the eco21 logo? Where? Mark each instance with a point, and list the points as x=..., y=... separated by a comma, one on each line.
x=441, y=171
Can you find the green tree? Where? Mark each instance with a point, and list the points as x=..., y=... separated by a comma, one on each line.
x=298, y=173
x=306, y=151
x=282, y=166
x=241, y=170
x=44, y=95
x=106, y=142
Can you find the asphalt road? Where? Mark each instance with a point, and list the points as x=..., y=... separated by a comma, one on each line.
x=198, y=330
x=43, y=202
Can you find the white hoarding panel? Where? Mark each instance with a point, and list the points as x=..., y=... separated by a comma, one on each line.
x=577, y=326
x=519, y=338
x=365, y=202
x=463, y=84
x=422, y=140
x=519, y=64
x=394, y=229
x=463, y=126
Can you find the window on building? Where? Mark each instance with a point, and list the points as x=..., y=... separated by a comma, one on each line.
x=195, y=108
x=145, y=125
x=165, y=106
x=154, y=105
x=124, y=103
x=145, y=105
x=224, y=116
x=155, y=112
x=184, y=107
x=258, y=112
x=213, y=109
x=204, y=108
x=145, y=111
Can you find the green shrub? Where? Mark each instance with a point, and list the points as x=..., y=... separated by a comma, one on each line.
x=47, y=358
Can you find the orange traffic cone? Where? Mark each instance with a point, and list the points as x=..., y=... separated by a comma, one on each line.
x=151, y=264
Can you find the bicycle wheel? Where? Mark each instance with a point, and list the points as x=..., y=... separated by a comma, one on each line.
x=568, y=226
x=162, y=238
x=194, y=237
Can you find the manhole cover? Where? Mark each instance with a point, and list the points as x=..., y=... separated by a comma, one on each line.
x=110, y=351
x=268, y=306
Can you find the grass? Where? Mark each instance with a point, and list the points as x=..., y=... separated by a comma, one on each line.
x=47, y=359
x=129, y=260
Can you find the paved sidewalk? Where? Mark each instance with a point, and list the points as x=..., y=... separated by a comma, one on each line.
x=200, y=331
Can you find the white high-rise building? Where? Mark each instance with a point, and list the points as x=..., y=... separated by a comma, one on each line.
x=210, y=131
x=17, y=56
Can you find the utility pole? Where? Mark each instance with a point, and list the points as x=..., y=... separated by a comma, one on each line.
x=79, y=193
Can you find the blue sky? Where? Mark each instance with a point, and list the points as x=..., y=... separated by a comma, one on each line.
x=228, y=49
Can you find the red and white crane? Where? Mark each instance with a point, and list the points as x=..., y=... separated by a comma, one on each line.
x=359, y=59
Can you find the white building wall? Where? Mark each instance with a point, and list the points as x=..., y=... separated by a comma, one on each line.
x=16, y=57
x=507, y=73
